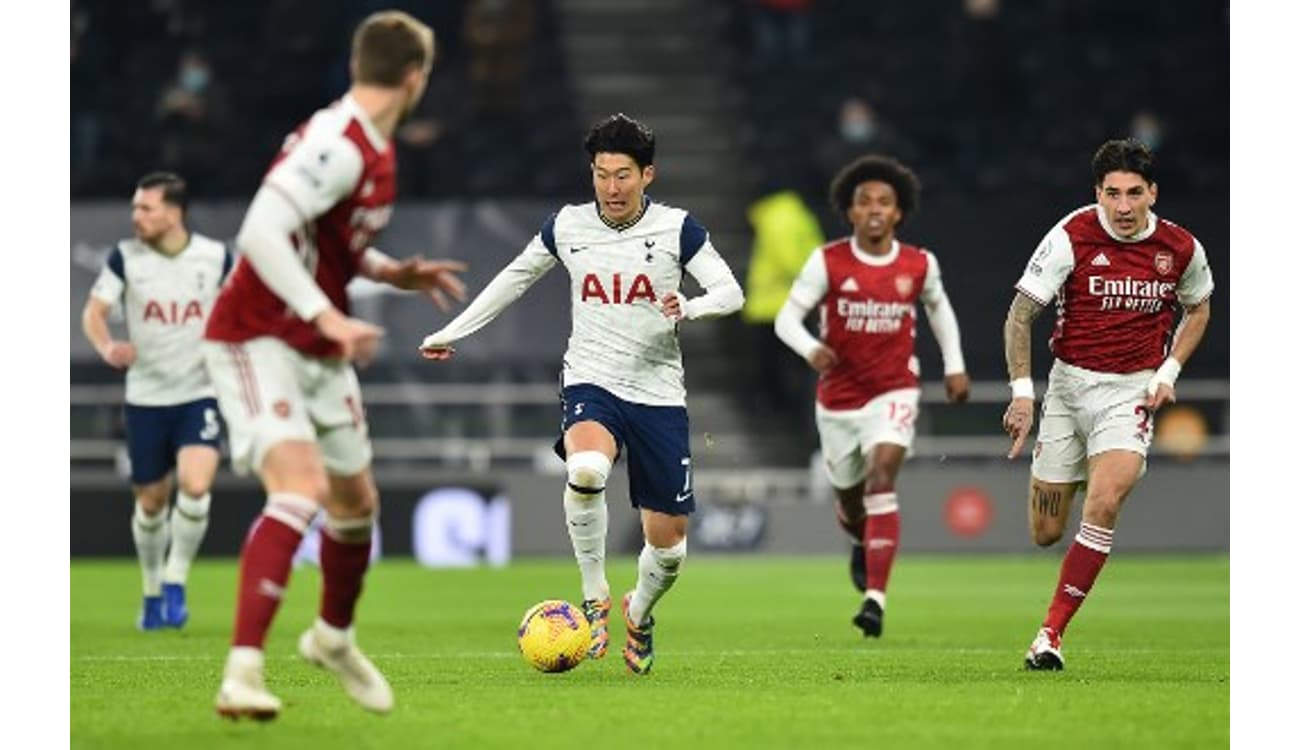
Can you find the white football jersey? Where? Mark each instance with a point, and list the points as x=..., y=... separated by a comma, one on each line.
x=621, y=340
x=166, y=304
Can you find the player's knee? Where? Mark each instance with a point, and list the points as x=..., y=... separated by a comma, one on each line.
x=879, y=481
x=588, y=471
x=670, y=558
x=318, y=490
x=194, y=486
x=152, y=499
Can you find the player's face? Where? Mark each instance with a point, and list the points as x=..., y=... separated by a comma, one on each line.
x=619, y=185
x=875, y=211
x=1127, y=198
x=151, y=216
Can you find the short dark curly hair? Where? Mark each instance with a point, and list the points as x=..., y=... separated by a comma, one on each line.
x=1127, y=155
x=874, y=168
x=620, y=134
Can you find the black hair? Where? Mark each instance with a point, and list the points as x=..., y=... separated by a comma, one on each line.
x=620, y=134
x=907, y=186
x=174, y=189
x=1127, y=155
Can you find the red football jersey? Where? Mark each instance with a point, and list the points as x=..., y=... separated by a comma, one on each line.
x=1115, y=298
x=868, y=317
x=317, y=171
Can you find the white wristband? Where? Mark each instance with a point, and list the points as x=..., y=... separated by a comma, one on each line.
x=1022, y=388
x=1166, y=374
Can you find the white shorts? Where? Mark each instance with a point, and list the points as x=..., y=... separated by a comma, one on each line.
x=1085, y=413
x=848, y=436
x=269, y=392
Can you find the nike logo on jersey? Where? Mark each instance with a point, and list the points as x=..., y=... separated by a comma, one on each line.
x=850, y=285
x=649, y=244
x=1101, y=260
x=684, y=496
x=577, y=249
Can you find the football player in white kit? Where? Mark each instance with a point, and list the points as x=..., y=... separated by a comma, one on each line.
x=623, y=384
x=166, y=277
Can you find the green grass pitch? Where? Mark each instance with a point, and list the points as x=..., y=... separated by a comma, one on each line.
x=752, y=652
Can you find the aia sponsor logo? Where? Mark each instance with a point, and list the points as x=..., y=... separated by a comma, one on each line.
x=1164, y=262
x=172, y=313
x=612, y=292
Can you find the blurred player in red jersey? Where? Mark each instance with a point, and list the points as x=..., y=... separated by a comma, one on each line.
x=279, y=347
x=1117, y=272
x=867, y=286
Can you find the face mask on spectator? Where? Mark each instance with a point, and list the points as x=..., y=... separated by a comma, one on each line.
x=857, y=130
x=194, y=79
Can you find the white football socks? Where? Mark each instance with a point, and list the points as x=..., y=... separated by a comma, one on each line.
x=189, y=522
x=150, y=534
x=657, y=570
x=587, y=518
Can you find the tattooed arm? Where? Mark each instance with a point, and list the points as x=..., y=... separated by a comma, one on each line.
x=1019, y=418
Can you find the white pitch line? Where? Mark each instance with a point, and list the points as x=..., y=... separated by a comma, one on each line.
x=464, y=655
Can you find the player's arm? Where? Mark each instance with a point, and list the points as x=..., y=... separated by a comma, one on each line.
x=508, y=286
x=722, y=293
x=943, y=323
x=1016, y=331
x=1193, y=291
x=808, y=290
x=103, y=295
x=437, y=278
x=318, y=173
x=1047, y=270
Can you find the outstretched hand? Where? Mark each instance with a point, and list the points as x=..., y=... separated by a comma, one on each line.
x=437, y=278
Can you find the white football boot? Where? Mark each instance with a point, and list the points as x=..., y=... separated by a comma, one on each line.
x=243, y=691
x=336, y=650
x=1045, y=652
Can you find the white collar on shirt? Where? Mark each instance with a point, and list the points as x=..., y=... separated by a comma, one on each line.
x=376, y=138
x=873, y=260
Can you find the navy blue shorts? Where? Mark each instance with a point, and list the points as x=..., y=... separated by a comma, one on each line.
x=655, y=439
x=155, y=434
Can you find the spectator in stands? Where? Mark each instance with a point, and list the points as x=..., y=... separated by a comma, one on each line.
x=1147, y=129
x=497, y=33
x=192, y=118
x=427, y=140
x=87, y=59
x=782, y=30
x=786, y=232
x=861, y=131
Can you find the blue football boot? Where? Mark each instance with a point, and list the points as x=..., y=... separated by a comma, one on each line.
x=174, y=612
x=151, y=616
